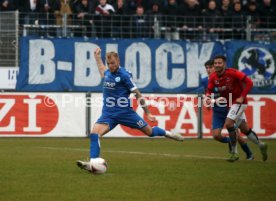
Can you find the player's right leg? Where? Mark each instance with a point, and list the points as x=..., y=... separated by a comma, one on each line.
x=95, y=147
x=218, y=120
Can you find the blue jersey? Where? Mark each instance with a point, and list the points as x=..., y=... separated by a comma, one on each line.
x=117, y=87
x=204, y=83
x=117, y=109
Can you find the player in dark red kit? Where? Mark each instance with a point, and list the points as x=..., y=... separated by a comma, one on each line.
x=233, y=86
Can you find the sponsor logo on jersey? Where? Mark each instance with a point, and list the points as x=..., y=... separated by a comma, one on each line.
x=110, y=85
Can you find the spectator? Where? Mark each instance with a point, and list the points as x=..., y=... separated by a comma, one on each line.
x=29, y=12
x=238, y=21
x=120, y=7
x=102, y=18
x=120, y=20
x=192, y=21
x=155, y=19
x=159, y=3
x=47, y=17
x=104, y=8
x=131, y=5
x=251, y=10
x=226, y=13
x=267, y=13
x=140, y=24
x=212, y=20
x=64, y=17
x=170, y=20
x=8, y=5
x=84, y=18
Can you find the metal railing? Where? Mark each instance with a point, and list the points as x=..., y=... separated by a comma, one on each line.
x=203, y=28
x=200, y=29
x=9, y=34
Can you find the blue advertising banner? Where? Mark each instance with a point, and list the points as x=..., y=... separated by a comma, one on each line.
x=257, y=61
x=158, y=66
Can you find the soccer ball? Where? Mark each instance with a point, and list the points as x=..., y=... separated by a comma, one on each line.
x=98, y=165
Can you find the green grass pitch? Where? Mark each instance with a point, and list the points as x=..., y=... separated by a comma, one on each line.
x=44, y=169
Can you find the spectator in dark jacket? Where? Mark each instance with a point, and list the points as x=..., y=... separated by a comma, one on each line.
x=140, y=24
x=120, y=20
x=226, y=10
x=252, y=11
x=47, y=15
x=238, y=21
x=29, y=11
x=155, y=18
x=268, y=14
x=84, y=18
x=191, y=19
x=212, y=20
x=171, y=20
x=8, y=5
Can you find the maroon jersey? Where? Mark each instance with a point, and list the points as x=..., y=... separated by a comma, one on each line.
x=232, y=82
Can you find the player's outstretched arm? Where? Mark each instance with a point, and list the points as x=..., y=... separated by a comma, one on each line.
x=143, y=104
x=99, y=61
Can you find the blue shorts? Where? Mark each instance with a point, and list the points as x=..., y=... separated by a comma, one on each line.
x=218, y=118
x=127, y=118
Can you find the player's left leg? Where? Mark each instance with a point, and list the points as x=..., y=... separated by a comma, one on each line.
x=133, y=120
x=252, y=136
x=156, y=131
x=218, y=120
x=233, y=115
x=246, y=149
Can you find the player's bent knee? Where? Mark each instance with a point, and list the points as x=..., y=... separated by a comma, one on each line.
x=147, y=130
x=216, y=134
x=217, y=137
x=100, y=129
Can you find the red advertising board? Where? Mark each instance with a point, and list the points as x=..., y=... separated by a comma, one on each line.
x=180, y=114
x=42, y=114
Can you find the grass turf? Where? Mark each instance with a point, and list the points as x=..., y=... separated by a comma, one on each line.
x=44, y=169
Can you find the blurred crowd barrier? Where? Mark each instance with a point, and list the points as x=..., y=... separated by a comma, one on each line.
x=200, y=29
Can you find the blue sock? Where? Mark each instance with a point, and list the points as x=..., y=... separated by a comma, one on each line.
x=246, y=149
x=225, y=140
x=156, y=131
x=94, y=145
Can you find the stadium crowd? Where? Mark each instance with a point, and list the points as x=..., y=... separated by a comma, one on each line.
x=137, y=18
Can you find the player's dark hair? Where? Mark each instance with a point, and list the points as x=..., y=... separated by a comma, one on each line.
x=210, y=62
x=220, y=57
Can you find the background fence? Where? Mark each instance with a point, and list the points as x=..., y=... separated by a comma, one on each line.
x=201, y=29
x=9, y=35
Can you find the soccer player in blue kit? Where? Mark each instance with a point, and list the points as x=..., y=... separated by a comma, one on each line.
x=117, y=86
x=219, y=117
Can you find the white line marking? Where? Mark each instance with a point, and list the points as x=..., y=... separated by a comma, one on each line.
x=137, y=153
